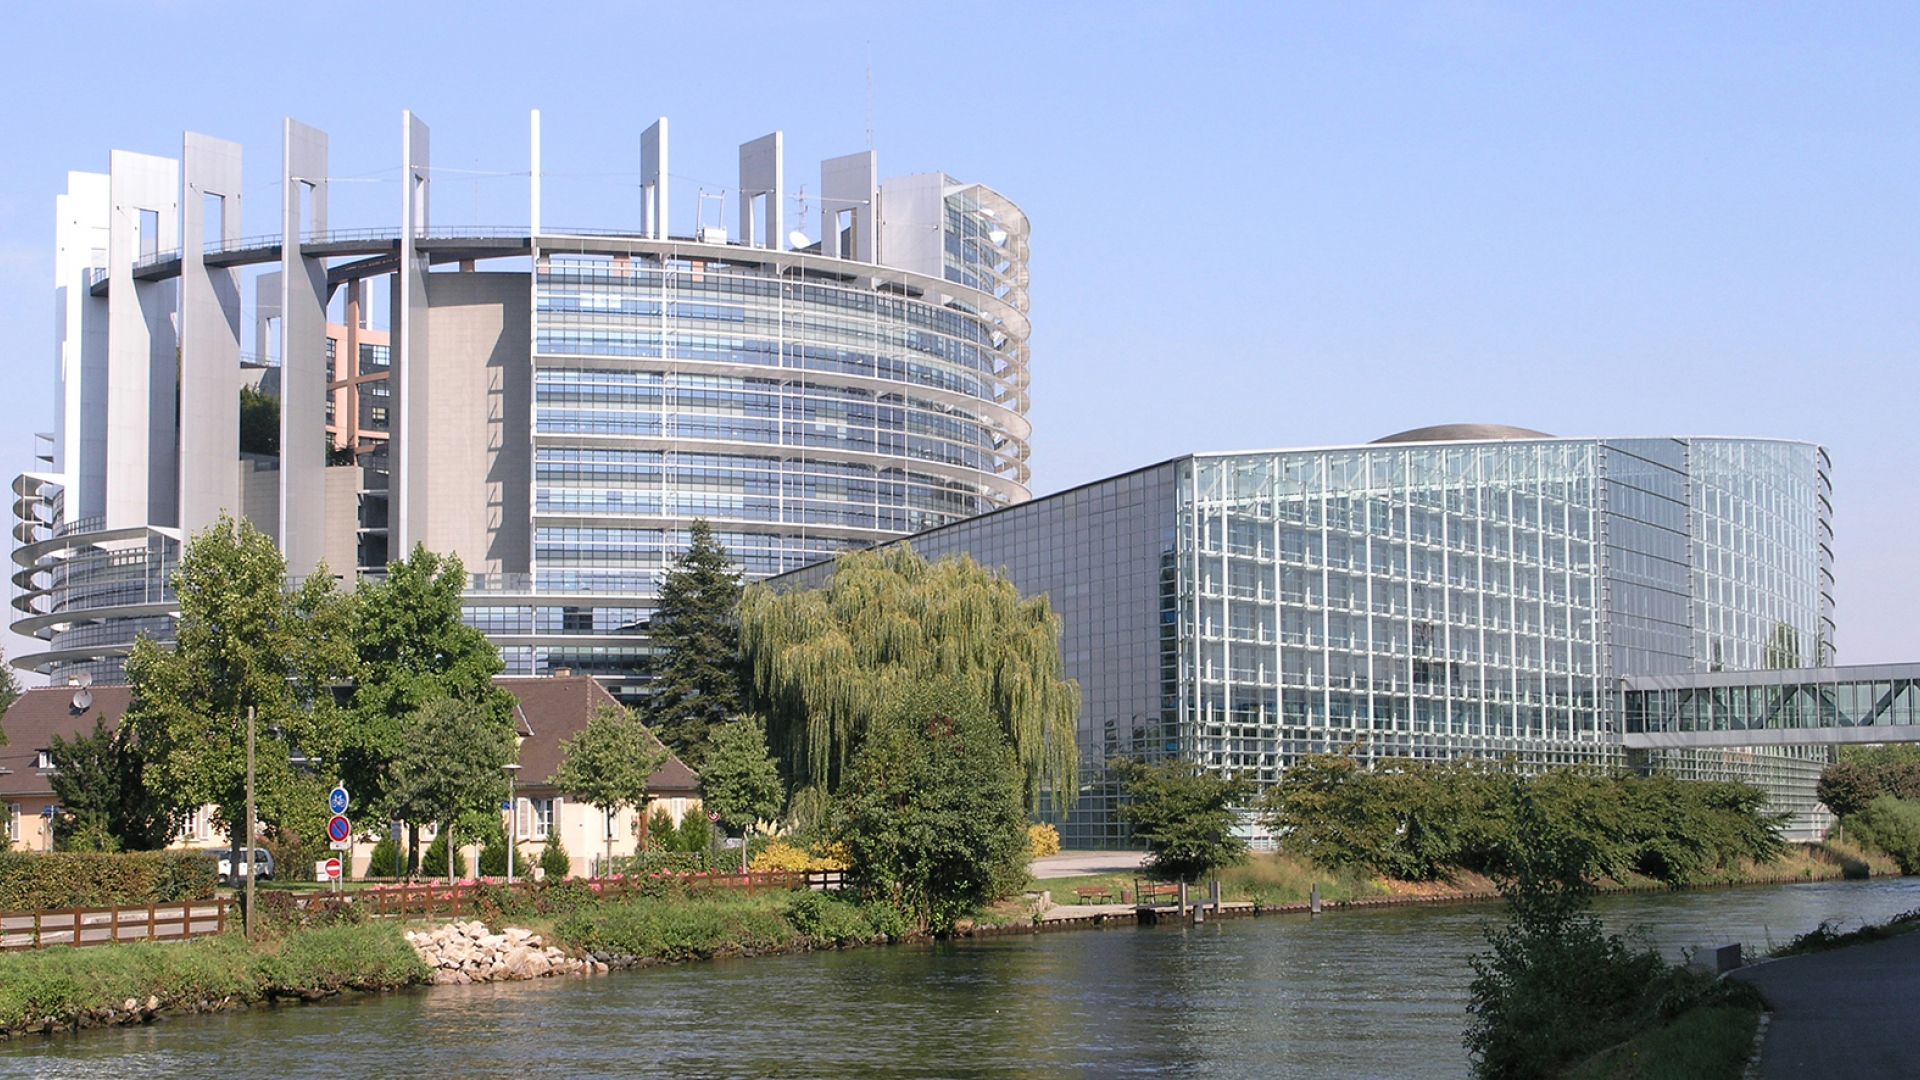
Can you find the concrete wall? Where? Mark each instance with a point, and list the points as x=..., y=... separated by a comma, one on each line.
x=475, y=479
x=260, y=495
x=341, y=548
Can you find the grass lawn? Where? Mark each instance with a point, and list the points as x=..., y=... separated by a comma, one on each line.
x=1268, y=879
x=1710, y=1043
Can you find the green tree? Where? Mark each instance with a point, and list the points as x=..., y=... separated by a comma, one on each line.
x=1893, y=826
x=9, y=691
x=555, y=861
x=1554, y=987
x=411, y=648
x=741, y=781
x=930, y=812
x=1865, y=773
x=1185, y=814
x=696, y=681
x=607, y=765
x=822, y=661
x=98, y=780
x=450, y=765
x=243, y=640
x=259, y=422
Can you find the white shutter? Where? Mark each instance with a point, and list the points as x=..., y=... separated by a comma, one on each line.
x=554, y=828
x=522, y=813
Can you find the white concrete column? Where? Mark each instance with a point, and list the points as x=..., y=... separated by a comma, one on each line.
x=81, y=231
x=209, y=335
x=141, y=448
x=763, y=173
x=849, y=189
x=412, y=439
x=303, y=352
x=653, y=180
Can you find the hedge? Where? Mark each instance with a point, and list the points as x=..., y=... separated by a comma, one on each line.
x=48, y=881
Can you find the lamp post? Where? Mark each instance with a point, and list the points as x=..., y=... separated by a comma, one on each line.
x=512, y=769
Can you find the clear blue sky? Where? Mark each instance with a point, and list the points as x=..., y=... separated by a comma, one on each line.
x=1254, y=226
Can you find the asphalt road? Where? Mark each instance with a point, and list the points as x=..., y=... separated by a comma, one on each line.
x=1852, y=1012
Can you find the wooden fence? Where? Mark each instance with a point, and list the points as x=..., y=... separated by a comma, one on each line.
x=177, y=921
x=463, y=898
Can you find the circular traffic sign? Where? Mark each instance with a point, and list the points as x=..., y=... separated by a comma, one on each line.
x=333, y=869
x=338, y=828
x=337, y=800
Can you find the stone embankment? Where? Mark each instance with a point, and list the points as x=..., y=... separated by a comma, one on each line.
x=468, y=952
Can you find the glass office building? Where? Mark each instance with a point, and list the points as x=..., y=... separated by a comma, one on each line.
x=1466, y=591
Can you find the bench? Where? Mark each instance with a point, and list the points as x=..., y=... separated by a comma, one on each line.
x=1151, y=895
x=1098, y=894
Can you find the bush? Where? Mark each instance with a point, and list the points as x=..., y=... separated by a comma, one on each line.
x=829, y=920
x=433, y=861
x=50, y=880
x=281, y=910
x=1186, y=816
x=493, y=856
x=692, y=928
x=661, y=833
x=384, y=862
x=931, y=810
x=1042, y=840
x=778, y=855
x=555, y=861
x=1891, y=825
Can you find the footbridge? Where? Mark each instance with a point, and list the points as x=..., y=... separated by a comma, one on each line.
x=1782, y=707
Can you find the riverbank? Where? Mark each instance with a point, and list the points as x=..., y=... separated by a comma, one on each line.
x=133, y=983
x=67, y=987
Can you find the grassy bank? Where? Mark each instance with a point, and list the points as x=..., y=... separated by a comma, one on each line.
x=1273, y=879
x=68, y=987
x=704, y=926
x=1707, y=1043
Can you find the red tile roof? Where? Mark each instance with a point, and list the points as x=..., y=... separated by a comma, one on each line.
x=40, y=714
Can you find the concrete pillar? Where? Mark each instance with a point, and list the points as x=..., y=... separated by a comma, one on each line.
x=653, y=180
x=849, y=193
x=209, y=335
x=763, y=175
x=141, y=448
x=82, y=236
x=411, y=442
x=303, y=350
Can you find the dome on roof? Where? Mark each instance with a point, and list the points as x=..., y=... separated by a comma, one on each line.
x=1464, y=433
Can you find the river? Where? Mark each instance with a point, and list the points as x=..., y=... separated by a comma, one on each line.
x=1350, y=994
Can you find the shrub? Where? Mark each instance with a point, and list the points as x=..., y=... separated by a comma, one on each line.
x=1185, y=815
x=493, y=857
x=661, y=833
x=555, y=861
x=931, y=810
x=433, y=861
x=49, y=880
x=384, y=862
x=778, y=855
x=829, y=920
x=1042, y=840
x=680, y=929
x=1893, y=826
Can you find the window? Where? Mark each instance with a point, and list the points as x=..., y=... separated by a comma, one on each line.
x=535, y=818
x=13, y=823
x=43, y=760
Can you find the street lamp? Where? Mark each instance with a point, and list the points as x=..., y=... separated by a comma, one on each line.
x=512, y=769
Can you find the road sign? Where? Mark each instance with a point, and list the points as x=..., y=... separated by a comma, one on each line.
x=337, y=800
x=333, y=868
x=339, y=828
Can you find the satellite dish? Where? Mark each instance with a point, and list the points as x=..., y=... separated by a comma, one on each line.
x=998, y=236
x=86, y=679
x=82, y=700
x=798, y=239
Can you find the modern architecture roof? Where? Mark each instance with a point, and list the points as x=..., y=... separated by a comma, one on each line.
x=1463, y=433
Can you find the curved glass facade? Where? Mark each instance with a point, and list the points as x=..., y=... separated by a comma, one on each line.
x=798, y=407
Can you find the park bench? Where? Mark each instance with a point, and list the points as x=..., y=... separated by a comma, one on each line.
x=1152, y=895
x=1096, y=894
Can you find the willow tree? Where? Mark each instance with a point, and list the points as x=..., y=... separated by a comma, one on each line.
x=821, y=662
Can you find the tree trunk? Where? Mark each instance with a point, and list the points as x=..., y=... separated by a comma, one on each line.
x=411, y=870
x=449, y=827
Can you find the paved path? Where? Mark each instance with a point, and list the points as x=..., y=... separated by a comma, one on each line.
x=1077, y=863
x=1852, y=1012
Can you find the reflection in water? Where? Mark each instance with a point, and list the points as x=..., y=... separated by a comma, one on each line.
x=1355, y=994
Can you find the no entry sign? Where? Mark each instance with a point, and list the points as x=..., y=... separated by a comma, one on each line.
x=333, y=868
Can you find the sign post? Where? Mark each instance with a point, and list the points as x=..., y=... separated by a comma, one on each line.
x=339, y=831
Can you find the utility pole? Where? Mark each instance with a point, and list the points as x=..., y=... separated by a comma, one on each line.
x=249, y=825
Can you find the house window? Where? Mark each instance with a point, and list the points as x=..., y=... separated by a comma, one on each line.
x=536, y=818
x=13, y=823
x=43, y=760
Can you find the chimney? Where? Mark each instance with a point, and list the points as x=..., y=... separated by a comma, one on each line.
x=562, y=672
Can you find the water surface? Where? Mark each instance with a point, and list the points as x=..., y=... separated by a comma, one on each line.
x=1350, y=994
